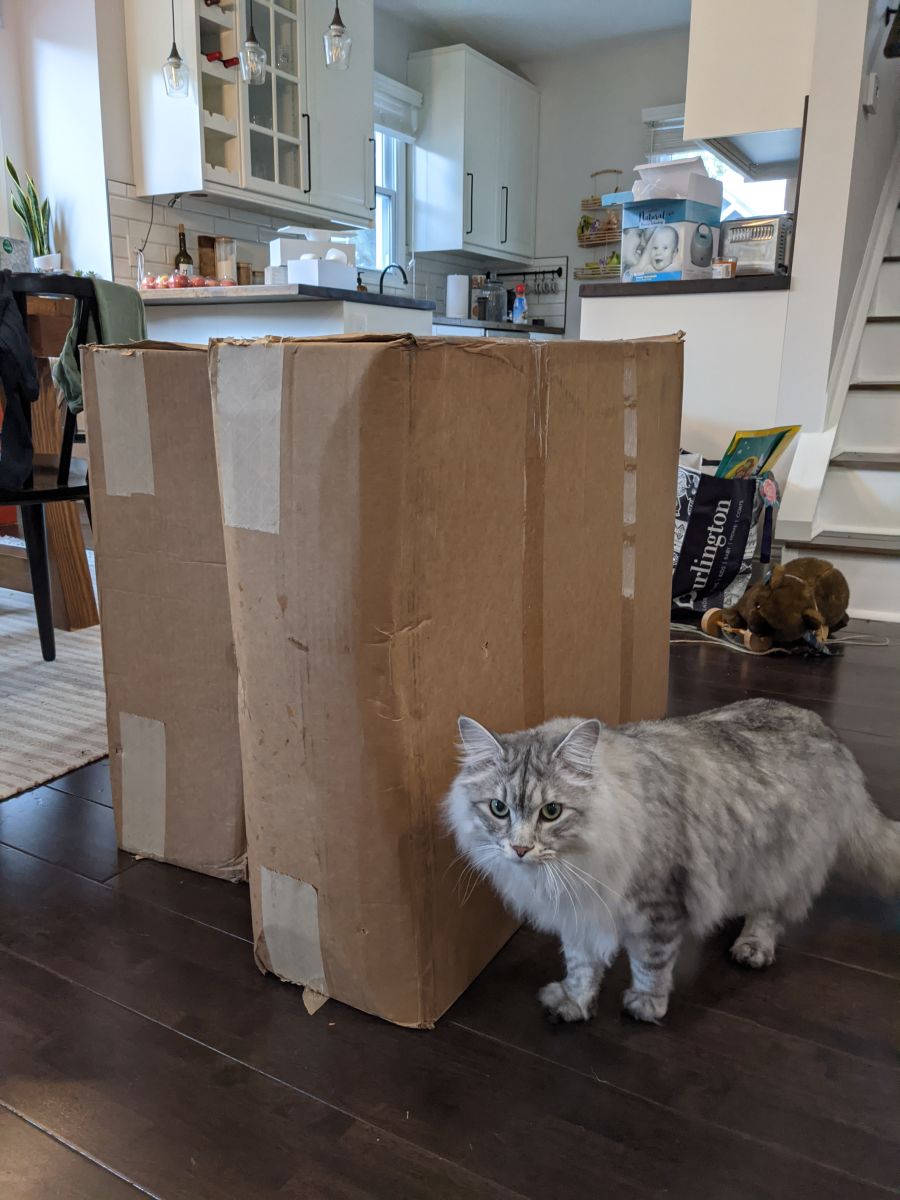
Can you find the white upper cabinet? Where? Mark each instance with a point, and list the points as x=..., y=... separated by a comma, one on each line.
x=475, y=162
x=299, y=143
x=341, y=158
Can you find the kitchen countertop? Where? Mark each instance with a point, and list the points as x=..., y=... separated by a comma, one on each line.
x=500, y=326
x=277, y=293
x=687, y=287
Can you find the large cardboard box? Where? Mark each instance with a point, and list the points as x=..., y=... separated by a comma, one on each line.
x=168, y=651
x=414, y=529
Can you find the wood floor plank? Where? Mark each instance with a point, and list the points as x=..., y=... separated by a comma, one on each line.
x=857, y=930
x=529, y=1124
x=741, y=1074
x=64, y=829
x=91, y=782
x=214, y=902
x=34, y=1166
x=184, y=1122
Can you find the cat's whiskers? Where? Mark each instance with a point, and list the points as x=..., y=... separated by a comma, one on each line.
x=567, y=888
x=587, y=875
x=475, y=870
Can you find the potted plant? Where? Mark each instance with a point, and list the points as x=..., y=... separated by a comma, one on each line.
x=35, y=217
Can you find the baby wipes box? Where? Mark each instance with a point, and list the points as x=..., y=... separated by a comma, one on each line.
x=670, y=230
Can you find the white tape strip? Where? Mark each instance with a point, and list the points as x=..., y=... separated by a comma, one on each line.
x=247, y=404
x=124, y=423
x=143, y=785
x=290, y=919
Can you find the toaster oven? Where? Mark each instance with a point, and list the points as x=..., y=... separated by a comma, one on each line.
x=760, y=245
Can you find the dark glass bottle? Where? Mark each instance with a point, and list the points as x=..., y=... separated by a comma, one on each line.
x=184, y=264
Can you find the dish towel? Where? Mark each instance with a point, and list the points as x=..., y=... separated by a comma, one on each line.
x=122, y=320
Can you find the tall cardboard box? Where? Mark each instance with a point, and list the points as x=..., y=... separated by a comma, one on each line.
x=414, y=529
x=168, y=651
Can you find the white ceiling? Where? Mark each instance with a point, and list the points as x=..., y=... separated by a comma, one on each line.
x=517, y=30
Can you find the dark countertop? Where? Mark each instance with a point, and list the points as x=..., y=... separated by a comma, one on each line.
x=500, y=326
x=280, y=293
x=687, y=287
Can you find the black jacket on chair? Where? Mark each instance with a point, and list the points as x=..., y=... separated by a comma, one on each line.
x=20, y=386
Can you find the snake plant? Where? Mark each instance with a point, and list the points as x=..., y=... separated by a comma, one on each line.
x=31, y=211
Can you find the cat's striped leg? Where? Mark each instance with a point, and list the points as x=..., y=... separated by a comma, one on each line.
x=755, y=947
x=652, y=954
x=575, y=997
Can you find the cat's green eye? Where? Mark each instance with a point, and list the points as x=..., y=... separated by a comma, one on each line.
x=500, y=808
x=551, y=811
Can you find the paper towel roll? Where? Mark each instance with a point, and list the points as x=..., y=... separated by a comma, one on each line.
x=457, y=295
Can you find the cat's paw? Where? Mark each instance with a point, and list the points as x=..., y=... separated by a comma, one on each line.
x=752, y=952
x=644, y=1007
x=560, y=1006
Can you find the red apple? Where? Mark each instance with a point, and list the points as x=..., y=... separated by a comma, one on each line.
x=227, y=283
x=198, y=281
x=180, y=281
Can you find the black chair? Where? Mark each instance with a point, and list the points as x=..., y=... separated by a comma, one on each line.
x=51, y=484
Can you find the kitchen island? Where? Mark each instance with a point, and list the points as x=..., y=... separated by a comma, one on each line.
x=283, y=310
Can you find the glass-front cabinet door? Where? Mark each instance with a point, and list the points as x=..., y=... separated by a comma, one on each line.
x=274, y=145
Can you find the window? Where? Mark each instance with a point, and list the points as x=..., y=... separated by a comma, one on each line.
x=742, y=195
x=396, y=119
x=377, y=247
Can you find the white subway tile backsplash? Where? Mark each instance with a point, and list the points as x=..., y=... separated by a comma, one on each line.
x=118, y=226
x=237, y=229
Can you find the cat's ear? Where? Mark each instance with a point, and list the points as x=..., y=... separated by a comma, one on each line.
x=777, y=576
x=576, y=750
x=477, y=745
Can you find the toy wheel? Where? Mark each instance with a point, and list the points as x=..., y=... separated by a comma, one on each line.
x=711, y=621
x=756, y=643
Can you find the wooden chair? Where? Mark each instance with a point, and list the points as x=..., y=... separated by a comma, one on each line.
x=65, y=480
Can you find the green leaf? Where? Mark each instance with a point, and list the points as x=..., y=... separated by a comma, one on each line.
x=12, y=173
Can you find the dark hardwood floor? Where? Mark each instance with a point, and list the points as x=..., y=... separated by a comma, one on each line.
x=142, y=1054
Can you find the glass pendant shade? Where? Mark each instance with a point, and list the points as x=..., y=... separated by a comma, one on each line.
x=253, y=60
x=175, y=74
x=337, y=43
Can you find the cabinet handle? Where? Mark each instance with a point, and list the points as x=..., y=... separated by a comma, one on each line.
x=505, y=238
x=471, y=179
x=308, y=187
x=374, y=203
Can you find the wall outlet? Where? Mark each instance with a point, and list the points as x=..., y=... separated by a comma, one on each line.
x=870, y=94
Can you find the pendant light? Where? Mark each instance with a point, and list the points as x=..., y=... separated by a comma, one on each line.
x=337, y=43
x=175, y=73
x=253, y=57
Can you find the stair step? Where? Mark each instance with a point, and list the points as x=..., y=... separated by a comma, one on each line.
x=847, y=543
x=867, y=460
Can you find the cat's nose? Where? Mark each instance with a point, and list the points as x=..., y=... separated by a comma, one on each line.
x=522, y=850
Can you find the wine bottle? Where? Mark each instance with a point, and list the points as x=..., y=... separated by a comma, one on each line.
x=184, y=264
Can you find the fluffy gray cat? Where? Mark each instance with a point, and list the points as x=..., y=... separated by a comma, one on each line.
x=631, y=836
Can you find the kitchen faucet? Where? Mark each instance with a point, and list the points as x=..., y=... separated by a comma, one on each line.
x=390, y=267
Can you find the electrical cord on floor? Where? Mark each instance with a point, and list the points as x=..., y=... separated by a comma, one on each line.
x=852, y=639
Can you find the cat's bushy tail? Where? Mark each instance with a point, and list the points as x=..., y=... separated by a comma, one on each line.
x=871, y=850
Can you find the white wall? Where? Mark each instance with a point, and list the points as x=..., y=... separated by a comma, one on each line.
x=732, y=354
x=395, y=40
x=114, y=100
x=824, y=216
x=12, y=134
x=749, y=66
x=875, y=138
x=591, y=118
x=60, y=95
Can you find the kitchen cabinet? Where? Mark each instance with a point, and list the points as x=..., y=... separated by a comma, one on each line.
x=475, y=157
x=300, y=144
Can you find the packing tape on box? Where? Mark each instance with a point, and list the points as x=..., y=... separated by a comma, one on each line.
x=124, y=424
x=290, y=922
x=143, y=784
x=247, y=396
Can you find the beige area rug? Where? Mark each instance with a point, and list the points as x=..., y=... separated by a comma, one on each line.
x=52, y=715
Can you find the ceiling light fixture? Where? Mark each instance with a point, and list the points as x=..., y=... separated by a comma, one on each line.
x=175, y=73
x=253, y=57
x=337, y=43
